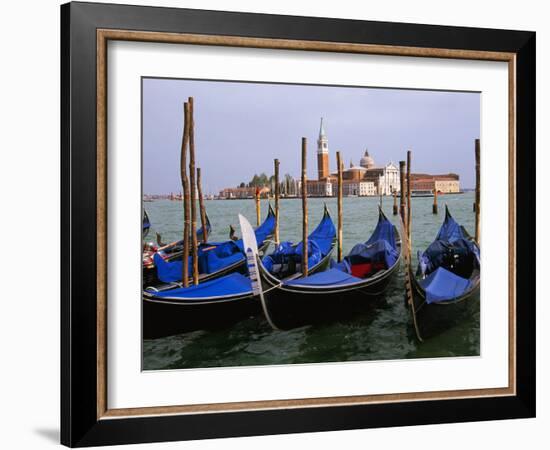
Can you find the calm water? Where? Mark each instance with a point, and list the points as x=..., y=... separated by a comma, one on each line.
x=385, y=334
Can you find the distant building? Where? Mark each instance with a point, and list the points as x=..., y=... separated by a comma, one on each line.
x=445, y=184
x=357, y=188
x=242, y=192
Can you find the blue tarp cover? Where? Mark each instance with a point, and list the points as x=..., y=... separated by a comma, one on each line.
x=374, y=252
x=442, y=285
x=458, y=253
x=324, y=234
x=319, y=244
x=383, y=231
x=211, y=260
x=450, y=230
x=286, y=252
x=330, y=277
x=168, y=271
x=380, y=248
x=265, y=229
x=228, y=285
x=222, y=255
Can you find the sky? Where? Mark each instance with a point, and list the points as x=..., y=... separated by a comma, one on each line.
x=240, y=127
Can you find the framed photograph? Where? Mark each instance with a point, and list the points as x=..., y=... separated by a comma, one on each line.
x=277, y=224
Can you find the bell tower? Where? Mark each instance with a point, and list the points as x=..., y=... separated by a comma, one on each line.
x=322, y=153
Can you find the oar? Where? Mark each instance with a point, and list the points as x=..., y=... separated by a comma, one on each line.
x=250, y=246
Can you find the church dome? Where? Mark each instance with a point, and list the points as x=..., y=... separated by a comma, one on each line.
x=366, y=161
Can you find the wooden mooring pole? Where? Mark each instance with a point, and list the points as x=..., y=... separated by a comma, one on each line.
x=304, y=208
x=258, y=207
x=277, y=194
x=478, y=196
x=434, y=206
x=202, y=210
x=395, y=208
x=185, y=187
x=340, y=166
x=403, y=192
x=193, y=192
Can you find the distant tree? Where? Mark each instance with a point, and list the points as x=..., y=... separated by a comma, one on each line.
x=263, y=179
x=243, y=184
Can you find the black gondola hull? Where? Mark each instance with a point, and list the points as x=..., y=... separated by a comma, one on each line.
x=168, y=318
x=294, y=306
x=434, y=318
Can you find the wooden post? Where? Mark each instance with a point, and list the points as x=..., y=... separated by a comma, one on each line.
x=340, y=166
x=395, y=208
x=258, y=208
x=409, y=190
x=434, y=207
x=478, y=196
x=201, y=206
x=304, y=208
x=403, y=192
x=185, y=187
x=277, y=194
x=193, y=192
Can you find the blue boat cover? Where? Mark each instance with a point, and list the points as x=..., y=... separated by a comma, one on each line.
x=384, y=231
x=324, y=234
x=330, y=277
x=380, y=248
x=443, y=285
x=450, y=230
x=379, y=251
x=213, y=256
x=286, y=251
x=458, y=253
x=228, y=285
x=265, y=229
x=319, y=245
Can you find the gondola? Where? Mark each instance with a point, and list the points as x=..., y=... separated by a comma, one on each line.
x=445, y=288
x=211, y=304
x=169, y=252
x=215, y=259
x=343, y=290
x=146, y=225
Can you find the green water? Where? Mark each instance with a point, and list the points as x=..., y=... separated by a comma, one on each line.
x=385, y=333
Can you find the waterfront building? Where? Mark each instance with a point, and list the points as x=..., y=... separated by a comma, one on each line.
x=356, y=188
x=445, y=183
x=243, y=192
